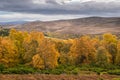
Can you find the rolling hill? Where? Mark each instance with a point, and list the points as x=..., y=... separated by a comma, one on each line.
x=88, y=25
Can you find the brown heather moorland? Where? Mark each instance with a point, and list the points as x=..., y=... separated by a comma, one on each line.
x=58, y=77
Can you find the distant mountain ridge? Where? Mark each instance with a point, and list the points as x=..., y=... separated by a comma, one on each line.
x=13, y=22
x=88, y=25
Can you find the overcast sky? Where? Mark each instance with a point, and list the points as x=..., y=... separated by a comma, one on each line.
x=45, y=10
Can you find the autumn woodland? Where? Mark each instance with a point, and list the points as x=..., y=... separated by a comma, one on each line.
x=36, y=50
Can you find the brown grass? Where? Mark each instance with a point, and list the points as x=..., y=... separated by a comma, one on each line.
x=56, y=77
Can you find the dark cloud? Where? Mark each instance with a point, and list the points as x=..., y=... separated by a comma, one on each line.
x=54, y=7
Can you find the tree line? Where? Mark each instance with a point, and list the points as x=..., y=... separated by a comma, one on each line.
x=34, y=49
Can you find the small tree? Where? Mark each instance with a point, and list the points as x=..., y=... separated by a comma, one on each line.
x=101, y=57
x=110, y=43
x=112, y=49
x=117, y=61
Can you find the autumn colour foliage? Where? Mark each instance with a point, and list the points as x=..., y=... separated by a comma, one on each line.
x=34, y=49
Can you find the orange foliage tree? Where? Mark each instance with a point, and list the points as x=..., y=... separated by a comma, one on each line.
x=82, y=51
x=9, y=55
x=47, y=55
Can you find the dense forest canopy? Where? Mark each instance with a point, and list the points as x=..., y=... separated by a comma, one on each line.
x=34, y=49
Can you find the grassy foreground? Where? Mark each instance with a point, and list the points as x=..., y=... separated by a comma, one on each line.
x=57, y=77
x=62, y=72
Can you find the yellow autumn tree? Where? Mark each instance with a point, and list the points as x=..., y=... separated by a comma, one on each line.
x=38, y=62
x=110, y=43
x=30, y=50
x=63, y=47
x=9, y=55
x=82, y=51
x=102, y=58
x=31, y=43
x=38, y=36
x=117, y=61
x=18, y=38
x=47, y=55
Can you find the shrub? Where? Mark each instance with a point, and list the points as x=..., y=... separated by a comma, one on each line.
x=75, y=71
x=19, y=70
x=115, y=72
x=98, y=70
x=1, y=67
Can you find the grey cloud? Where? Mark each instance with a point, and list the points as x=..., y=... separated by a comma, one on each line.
x=58, y=7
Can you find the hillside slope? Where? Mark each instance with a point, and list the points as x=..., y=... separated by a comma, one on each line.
x=89, y=25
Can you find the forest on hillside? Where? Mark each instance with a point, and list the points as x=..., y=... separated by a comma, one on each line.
x=29, y=52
